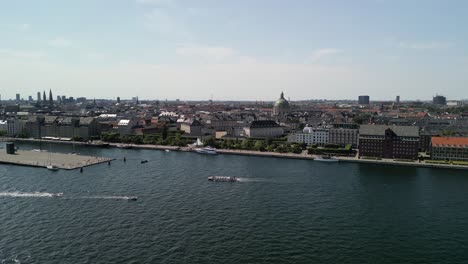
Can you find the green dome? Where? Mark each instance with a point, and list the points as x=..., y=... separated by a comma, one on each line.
x=281, y=102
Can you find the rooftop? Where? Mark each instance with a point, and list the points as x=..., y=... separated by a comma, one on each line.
x=379, y=130
x=452, y=142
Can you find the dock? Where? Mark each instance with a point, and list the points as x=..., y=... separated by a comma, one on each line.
x=43, y=158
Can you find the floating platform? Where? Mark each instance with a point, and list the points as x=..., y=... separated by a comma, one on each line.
x=43, y=159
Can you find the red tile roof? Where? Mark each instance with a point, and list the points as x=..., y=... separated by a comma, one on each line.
x=452, y=142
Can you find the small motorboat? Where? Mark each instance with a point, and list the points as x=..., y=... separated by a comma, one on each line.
x=167, y=150
x=223, y=179
x=52, y=167
x=206, y=150
x=143, y=161
x=132, y=198
x=326, y=159
x=57, y=195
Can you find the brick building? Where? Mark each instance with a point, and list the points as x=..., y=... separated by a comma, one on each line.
x=392, y=142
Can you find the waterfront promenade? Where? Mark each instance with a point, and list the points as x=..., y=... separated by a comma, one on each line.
x=302, y=155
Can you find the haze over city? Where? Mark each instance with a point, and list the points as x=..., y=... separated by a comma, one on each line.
x=234, y=50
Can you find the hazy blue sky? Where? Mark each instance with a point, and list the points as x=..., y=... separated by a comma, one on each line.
x=242, y=49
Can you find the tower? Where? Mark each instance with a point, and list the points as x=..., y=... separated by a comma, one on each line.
x=51, y=99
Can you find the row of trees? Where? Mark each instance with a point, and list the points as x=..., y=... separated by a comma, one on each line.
x=257, y=145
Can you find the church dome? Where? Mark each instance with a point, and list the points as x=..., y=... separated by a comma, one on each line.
x=281, y=106
x=281, y=102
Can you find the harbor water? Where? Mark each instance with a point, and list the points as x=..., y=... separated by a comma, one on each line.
x=281, y=211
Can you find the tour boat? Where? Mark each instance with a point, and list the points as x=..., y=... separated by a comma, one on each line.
x=222, y=179
x=52, y=167
x=206, y=150
x=326, y=159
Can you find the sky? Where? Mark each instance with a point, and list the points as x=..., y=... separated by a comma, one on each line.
x=235, y=50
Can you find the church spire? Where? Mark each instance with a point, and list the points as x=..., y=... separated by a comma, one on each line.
x=282, y=95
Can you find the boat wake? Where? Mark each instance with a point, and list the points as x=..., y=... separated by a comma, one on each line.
x=243, y=179
x=30, y=194
x=110, y=197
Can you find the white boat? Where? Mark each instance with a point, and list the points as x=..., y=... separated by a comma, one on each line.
x=132, y=198
x=167, y=150
x=223, y=179
x=57, y=195
x=326, y=159
x=52, y=167
x=206, y=150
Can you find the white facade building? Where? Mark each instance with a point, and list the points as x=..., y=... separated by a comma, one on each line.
x=310, y=136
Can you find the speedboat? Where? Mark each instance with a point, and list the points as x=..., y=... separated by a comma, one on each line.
x=326, y=159
x=223, y=179
x=143, y=161
x=132, y=198
x=52, y=167
x=57, y=195
x=206, y=150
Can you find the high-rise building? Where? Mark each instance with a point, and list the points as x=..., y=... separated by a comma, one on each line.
x=118, y=100
x=51, y=99
x=363, y=99
x=30, y=99
x=439, y=100
x=18, y=97
x=38, y=96
x=44, y=98
x=397, y=99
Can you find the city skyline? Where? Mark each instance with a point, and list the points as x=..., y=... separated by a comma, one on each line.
x=235, y=50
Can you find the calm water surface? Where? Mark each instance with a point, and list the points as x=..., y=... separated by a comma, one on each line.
x=283, y=211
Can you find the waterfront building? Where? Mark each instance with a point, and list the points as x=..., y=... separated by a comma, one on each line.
x=310, y=136
x=343, y=136
x=192, y=127
x=263, y=129
x=449, y=148
x=363, y=100
x=393, y=142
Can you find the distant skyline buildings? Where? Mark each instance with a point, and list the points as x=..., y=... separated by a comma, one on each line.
x=189, y=50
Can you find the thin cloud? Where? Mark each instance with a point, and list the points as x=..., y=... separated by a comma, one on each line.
x=60, y=42
x=216, y=53
x=22, y=54
x=431, y=45
x=319, y=54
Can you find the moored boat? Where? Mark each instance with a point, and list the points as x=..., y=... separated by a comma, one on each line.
x=52, y=167
x=326, y=159
x=206, y=150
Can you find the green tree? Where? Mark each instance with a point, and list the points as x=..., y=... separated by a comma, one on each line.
x=246, y=144
x=259, y=145
x=164, y=131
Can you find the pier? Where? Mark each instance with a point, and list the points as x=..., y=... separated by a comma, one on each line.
x=43, y=159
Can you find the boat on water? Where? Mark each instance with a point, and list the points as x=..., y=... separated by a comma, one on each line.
x=143, y=161
x=206, y=150
x=223, y=179
x=167, y=150
x=124, y=146
x=132, y=198
x=326, y=159
x=57, y=195
x=52, y=167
